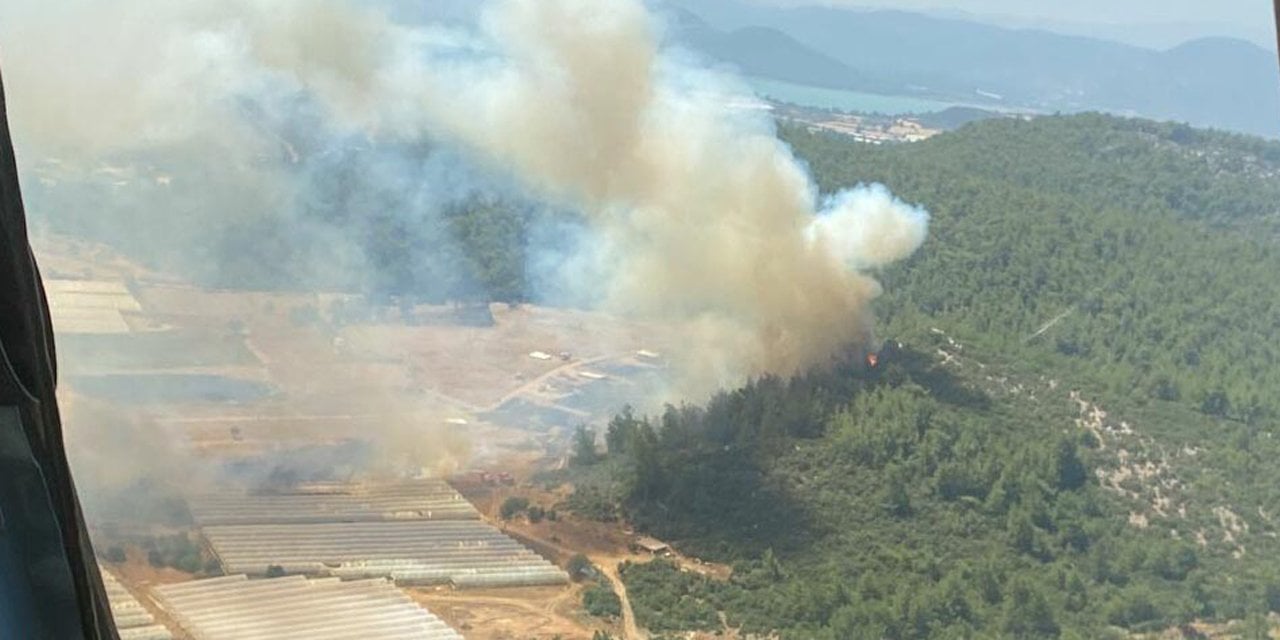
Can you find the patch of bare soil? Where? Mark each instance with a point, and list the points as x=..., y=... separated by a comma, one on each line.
x=512, y=614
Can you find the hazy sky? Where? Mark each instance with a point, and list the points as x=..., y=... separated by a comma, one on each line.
x=1168, y=19
x=1241, y=12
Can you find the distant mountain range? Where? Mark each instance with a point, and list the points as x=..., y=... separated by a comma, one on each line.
x=1215, y=82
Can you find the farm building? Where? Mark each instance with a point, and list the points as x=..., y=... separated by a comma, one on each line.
x=133, y=621
x=418, y=532
x=651, y=545
x=236, y=608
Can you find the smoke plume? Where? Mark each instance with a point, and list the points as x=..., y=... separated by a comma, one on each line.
x=701, y=216
x=695, y=215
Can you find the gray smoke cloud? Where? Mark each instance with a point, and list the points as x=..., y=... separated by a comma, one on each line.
x=702, y=217
x=695, y=215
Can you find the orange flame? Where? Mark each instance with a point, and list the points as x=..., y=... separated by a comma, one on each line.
x=872, y=360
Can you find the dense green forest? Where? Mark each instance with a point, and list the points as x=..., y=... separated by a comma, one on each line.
x=1075, y=438
x=1158, y=242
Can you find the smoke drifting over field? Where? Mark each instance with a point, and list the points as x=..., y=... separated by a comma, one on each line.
x=695, y=214
x=701, y=215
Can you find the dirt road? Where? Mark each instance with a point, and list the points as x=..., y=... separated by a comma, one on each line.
x=608, y=565
x=630, y=630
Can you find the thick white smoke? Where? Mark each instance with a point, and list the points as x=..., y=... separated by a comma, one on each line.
x=867, y=227
x=705, y=218
x=699, y=217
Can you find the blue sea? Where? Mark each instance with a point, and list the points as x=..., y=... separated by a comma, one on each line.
x=842, y=100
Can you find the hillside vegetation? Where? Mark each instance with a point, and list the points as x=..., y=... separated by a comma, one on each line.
x=1158, y=242
x=1075, y=439
x=1218, y=82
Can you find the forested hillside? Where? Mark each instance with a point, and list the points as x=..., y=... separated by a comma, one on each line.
x=1157, y=241
x=1075, y=439
x=1209, y=81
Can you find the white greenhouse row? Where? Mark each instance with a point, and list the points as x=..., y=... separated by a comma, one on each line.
x=465, y=553
x=133, y=621
x=294, y=607
x=422, y=499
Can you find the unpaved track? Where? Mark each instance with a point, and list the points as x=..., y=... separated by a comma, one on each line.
x=630, y=630
x=608, y=565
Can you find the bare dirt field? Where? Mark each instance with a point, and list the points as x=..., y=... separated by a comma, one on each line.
x=512, y=614
x=66, y=257
x=331, y=380
x=480, y=366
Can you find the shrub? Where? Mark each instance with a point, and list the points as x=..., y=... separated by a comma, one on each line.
x=512, y=506
x=188, y=562
x=580, y=567
x=601, y=602
x=668, y=599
